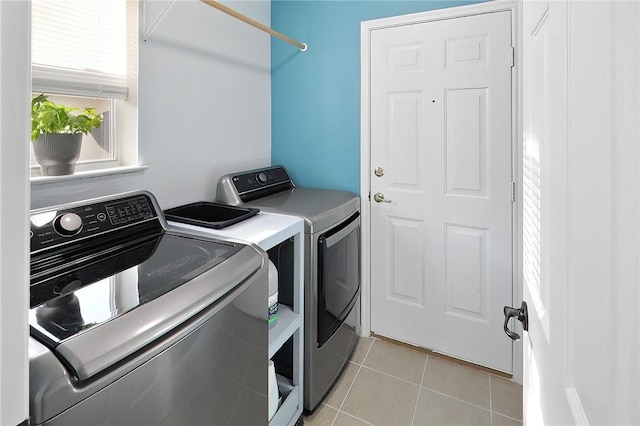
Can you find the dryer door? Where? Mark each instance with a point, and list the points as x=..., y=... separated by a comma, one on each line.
x=338, y=275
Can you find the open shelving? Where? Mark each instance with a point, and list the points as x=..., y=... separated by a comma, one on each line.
x=270, y=231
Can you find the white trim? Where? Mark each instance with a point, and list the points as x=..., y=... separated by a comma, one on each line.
x=44, y=180
x=82, y=166
x=365, y=149
x=365, y=177
x=15, y=85
x=440, y=14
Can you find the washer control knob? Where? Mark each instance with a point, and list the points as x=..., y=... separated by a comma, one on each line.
x=262, y=178
x=68, y=224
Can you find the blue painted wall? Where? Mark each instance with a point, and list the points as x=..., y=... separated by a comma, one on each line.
x=315, y=129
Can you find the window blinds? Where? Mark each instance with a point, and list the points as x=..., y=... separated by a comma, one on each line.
x=79, y=47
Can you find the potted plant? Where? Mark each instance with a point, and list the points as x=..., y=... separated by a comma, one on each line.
x=56, y=133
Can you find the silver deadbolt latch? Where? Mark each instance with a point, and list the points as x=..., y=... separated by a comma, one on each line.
x=379, y=171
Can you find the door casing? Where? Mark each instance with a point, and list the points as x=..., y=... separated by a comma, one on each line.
x=365, y=144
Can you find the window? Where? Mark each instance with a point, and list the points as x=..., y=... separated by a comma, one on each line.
x=84, y=54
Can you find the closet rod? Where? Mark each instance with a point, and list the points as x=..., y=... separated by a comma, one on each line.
x=258, y=25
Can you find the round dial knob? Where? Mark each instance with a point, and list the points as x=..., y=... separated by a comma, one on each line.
x=69, y=224
x=262, y=178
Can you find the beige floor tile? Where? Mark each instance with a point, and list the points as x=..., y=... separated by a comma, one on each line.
x=380, y=399
x=457, y=380
x=399, y=361
x=506, y=397
x=323, y=416
x=436, y=409
x=347, y=420
x=339, y=392
x=360, y=352
x=500, y=420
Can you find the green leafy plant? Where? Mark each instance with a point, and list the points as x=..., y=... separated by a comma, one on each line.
x=48, y=117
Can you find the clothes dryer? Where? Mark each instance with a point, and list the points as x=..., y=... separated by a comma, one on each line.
x=331, y=266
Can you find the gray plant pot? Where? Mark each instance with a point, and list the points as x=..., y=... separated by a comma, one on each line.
x=57, y=153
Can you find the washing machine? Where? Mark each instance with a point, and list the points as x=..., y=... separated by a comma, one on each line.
x=133, y=322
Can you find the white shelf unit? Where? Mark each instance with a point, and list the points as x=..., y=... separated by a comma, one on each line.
x=268, y=230
x=287, y=324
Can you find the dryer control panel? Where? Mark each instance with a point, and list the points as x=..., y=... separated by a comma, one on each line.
x=238, y=188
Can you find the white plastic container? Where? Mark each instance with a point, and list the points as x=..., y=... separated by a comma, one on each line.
x=274, y=396
x=272, y=314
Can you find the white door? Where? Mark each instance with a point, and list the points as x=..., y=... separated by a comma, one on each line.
x=441, y=139
x=581, y=212
x=545, y=206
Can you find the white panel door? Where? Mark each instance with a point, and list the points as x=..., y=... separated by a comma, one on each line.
x=441, y=139
x=581, y=212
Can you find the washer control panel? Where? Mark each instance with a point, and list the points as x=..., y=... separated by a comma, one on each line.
x=51, y=227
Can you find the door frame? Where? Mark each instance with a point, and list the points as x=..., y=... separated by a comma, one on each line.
x=15, y=196
x=516, y=143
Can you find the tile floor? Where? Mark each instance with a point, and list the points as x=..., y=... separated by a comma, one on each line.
x=389, y=384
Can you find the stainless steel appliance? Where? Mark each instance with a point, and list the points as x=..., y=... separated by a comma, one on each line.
x=332, y=266
x=136, y=323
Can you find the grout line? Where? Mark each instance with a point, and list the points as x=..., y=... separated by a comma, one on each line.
x=456, y=399
x=349, y=390
x=420, y=386
x=490, y=401
x=354, y=417
x=415, y=409
x=390, y=375
x=426, y=387
x=492, y=379
x=335, y=417
x=351, y=386
x=509, y=417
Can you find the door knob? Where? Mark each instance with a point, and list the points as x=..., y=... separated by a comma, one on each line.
x=521, y=315
x=379, y=198
x=379, y=171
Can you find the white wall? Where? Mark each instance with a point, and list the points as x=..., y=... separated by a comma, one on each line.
x=15, y=85
x=204, y=105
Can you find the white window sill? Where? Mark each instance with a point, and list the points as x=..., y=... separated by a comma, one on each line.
x=44, y=180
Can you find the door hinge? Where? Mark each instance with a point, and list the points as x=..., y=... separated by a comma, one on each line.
x=513, y=56
x=369, y=196
x=513, y=192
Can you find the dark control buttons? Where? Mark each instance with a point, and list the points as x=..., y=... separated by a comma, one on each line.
x=68, y=224
x=261, y=177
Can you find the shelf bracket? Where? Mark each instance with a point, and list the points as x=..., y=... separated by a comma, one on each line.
x=156, y=22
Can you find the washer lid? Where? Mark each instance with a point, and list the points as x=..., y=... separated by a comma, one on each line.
x=114, y=306
x=320, y=208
